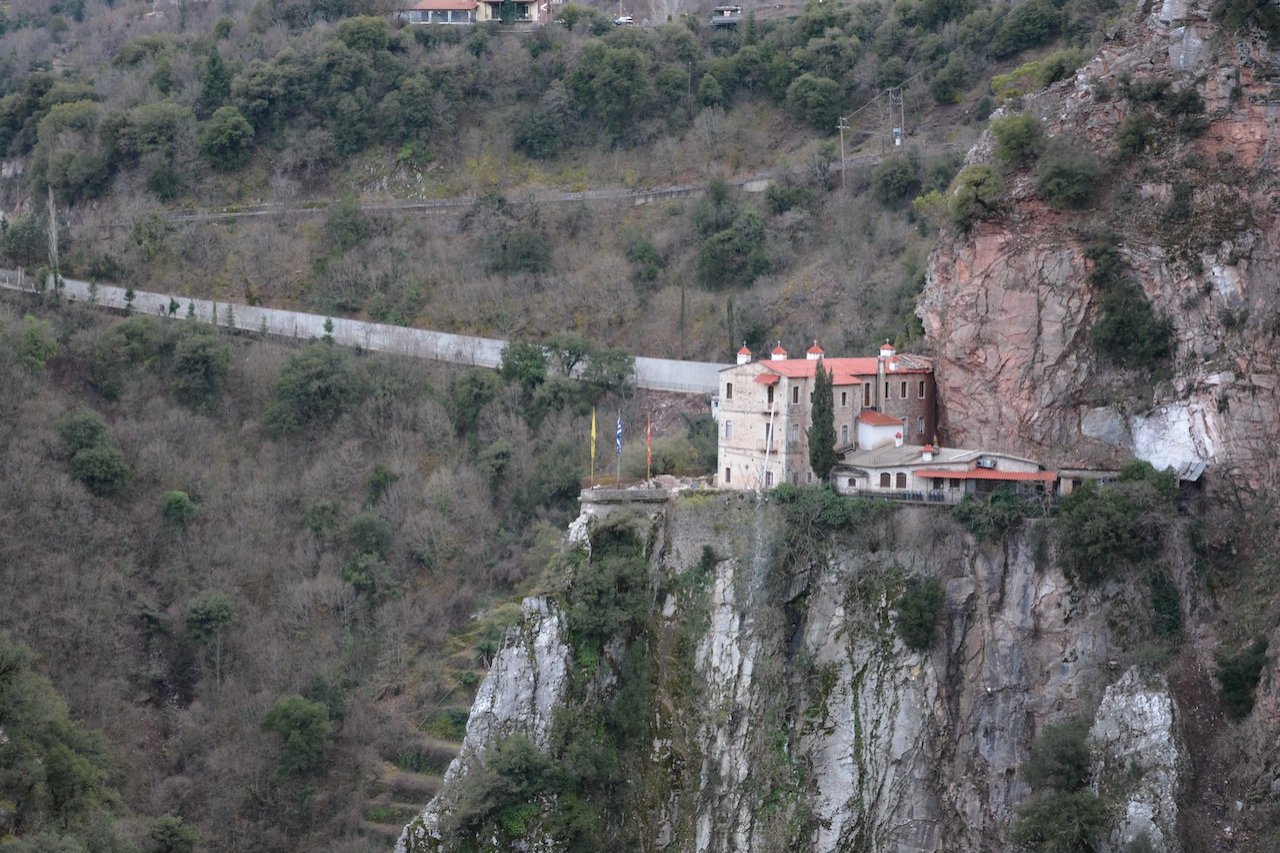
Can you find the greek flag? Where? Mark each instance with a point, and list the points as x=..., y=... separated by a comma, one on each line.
x=619, y=433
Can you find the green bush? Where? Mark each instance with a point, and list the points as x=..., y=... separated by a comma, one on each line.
x=1058, y=822
x=896, y=179
x=736, y=256
x=37, y=344
x=918, y=609
x=989, y=517
x=1103, y=527
x=1019, y=139
x=1127, y=331
x=1134, y=134
x=977, y=193
x=815, y=100
x=520, y=249
x=209, y=616
x=1247, y=14
x=1059, y=758
x=178, y=508
x=101, y=468
x=304, y=729
x=226, y=138
x=200, y=364
x=1239, y=675
x=1032, y=24
x=369, y=533
x=82, y=428
x=1069, y=176
x=315, y=387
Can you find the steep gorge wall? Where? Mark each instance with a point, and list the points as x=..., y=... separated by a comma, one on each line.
x=1007, y=307
x=804, y=722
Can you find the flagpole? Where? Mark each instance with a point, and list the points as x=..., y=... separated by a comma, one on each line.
x=618, y=480
x=648, y=446
x=593, y=447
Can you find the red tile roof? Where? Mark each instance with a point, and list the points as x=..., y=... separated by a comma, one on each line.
x=778, y=350
x=767, y=378
x=850, y=371
x=746, y=350
x=987, y=474
x=815, y=350
x=879, y=419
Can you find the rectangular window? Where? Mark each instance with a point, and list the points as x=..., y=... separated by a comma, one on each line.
x=921, y=389
x=886, y=391
x=728, y=390
x=728, y=429
x=726, y=474
x=920, y=424
x=903, y=389
x=768, y=478
x=768, y=433
x=844, y=433
x=866, y=395
x=770, y=395
x=795, y=394
x=844, y=399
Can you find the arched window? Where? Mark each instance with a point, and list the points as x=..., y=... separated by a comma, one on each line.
x=844, y=433
x=728, y=429
x=884, y=480
x=902, y=480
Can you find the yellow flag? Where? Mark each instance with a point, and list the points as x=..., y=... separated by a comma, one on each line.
x=593, y=441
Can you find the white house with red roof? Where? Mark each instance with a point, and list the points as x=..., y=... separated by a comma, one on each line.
x=937, y=474
x=764, y=411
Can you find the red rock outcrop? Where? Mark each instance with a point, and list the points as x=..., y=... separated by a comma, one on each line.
x=1008, y=306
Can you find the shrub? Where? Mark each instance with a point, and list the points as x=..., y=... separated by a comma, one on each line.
x=1134, y=134
x=918, y=609
x=304, y=729
x=736, y=256
x=896, y=179
x=950, y=82
x=1068, y=176
x=1239, y=675
x=815, y=100
x=101, y=468
x=520, y=249
x=1246, y=14
x=82, y=428
x=977, y=194
x=369, y=533
x=1019, y=139
x=1059, y=822
x=178, y=508
x=208, y=617
x=524, y=363
x=1166, y=607
x=1032, y=24
x=225, y=139
x=37, y=343
x=1059, y=758
x=200, y=365
x=1101, y=527
x=989, y=518
x=315, y=387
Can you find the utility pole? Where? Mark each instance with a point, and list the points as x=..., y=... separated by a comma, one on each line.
x=897, y=116
x=842, y=126
x=53, y=242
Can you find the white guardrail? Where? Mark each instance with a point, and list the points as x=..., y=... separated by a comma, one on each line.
x=658, y=374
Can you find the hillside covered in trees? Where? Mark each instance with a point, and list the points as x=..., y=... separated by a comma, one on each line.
x=133, y=116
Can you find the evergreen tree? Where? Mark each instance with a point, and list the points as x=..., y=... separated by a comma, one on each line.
x=216, y=82
x=822, y=427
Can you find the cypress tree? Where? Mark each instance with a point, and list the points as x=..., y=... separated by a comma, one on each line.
x=216, y=82
x=822, y=426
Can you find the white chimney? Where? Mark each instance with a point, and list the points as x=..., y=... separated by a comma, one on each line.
x=815, y=352
x=887, y=350
x=744, y=354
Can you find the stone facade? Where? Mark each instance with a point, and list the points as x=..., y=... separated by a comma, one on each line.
x=765, y=410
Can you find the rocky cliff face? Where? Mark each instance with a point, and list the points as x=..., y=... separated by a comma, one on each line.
x=1007, y=306
x=803, y=722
